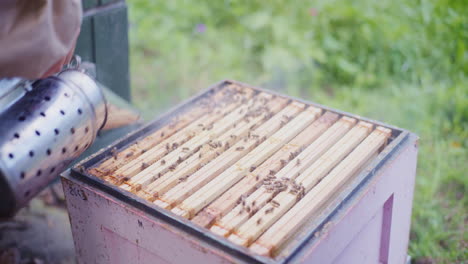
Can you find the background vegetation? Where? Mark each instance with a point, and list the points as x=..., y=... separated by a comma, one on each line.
x=401, y=62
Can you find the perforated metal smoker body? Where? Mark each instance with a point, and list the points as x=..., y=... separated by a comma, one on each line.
x=43, y=131
x=367, y=223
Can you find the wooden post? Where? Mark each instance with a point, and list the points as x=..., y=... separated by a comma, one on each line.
x=103, y=40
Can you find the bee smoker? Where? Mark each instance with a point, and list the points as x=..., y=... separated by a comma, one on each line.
x=44, y=125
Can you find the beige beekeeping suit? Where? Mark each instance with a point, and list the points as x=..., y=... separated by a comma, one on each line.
x=37, y=36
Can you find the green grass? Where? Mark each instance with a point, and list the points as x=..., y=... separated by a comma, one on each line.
x=401, y=62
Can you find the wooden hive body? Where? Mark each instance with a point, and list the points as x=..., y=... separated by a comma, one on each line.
x=239, y=174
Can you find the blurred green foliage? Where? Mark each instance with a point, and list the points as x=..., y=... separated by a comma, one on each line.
x=401, y=62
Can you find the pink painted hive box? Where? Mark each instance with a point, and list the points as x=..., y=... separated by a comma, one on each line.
x=243, y=175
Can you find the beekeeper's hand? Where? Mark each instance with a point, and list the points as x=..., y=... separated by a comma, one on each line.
x=37, y=37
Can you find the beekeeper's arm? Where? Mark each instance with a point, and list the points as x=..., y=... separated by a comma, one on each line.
x=37, y=37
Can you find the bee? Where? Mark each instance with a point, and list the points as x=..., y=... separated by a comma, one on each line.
x=283, y=162
x=271, y=177
x=81, y=169
x=269, y=210
x=167, y=146
x=143, y=151
x=272, y=172
x=259, y=221
x=298, y=162
x=279, y=184
x=253, y=204
x=199, y=155
x=113, y=152
x=239, y=148
x=179, y=160
x=257, y=177
x=252, y=168
x=144, y=165
x=162, y=134
x=175, y=145
x=163, y=162
x=291, y=156
x=129, y=155
x=172, y=167
x=293, y=192
x=185, y=149
x=275, y=203
x=182, y=179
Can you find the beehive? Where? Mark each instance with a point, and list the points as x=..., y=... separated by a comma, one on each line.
x=250, y=167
